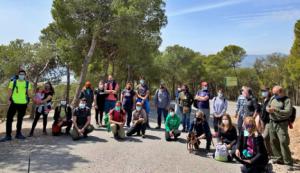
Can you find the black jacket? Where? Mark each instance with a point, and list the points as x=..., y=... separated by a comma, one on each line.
x=58, y=109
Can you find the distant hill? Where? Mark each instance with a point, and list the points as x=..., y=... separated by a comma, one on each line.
x=249, y=60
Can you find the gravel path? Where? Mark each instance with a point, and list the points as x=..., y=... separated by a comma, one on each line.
x=101, y=153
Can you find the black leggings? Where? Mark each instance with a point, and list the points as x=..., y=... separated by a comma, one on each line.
x=36, y=118
x=98, y=111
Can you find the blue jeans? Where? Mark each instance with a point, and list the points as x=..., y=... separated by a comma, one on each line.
x=161, y=111
x=186, y=123
x=109, y=104
x=206, y=113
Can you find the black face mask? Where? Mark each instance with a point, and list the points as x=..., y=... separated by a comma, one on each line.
x=199, y=120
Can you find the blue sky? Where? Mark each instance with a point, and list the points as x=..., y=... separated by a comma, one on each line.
x=259, y=26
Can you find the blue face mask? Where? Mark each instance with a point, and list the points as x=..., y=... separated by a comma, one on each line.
x=246, y=133
x=264, y=94
x=278, y=97
x=21, y=77
x=142, y=82
x=138, y=108
x=204, y=88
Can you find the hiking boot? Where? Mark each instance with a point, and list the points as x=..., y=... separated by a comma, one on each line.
x=183, y=130
x=279, y=162
x=6, y=138
x=20, y=136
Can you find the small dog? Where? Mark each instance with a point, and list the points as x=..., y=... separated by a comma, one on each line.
x=191, y=141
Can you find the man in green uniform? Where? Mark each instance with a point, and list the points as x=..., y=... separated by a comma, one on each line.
x=19, y=92
x=280, y=110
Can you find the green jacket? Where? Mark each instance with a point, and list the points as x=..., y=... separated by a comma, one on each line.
x=172, y=123
x=283, y=108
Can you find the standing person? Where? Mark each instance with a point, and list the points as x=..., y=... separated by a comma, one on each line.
x=139, y=121
x=111, y=88
x=128, y=100
x=185, y=106
x=82, y=121
x=177, y=92
x=99, y=102
x=62, y=117
x=143, y=94
x=162, y=101
x=200, y=127
x=280, y=109
x=43, y=108
x=246, y=106
x=264, y=116
x=219, y=107
x=88, y=93
x=251, y=151
x=117, y=118
x=202, y=97
x=19, y=92
x=172, y=124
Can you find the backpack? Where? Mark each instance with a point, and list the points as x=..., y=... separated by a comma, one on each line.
x=16, y=87
x=221, y=153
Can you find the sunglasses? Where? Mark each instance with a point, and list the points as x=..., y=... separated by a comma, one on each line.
x=249, y=126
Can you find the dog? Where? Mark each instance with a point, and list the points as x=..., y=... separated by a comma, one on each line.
x=192, y=141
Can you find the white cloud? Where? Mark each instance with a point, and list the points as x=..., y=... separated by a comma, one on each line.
x=205, y=7
x=266, y=16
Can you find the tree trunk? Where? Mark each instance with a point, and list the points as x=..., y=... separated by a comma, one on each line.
x=33, y=105
x=173, y=88
x=68, y=84
x=83, y=72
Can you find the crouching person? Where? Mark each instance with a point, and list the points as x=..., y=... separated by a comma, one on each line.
x=172, y=124
x=82, y=121
x=62, y=117
x=201, y=128
x=117, y=119
x=139, y=121
x=251, y=151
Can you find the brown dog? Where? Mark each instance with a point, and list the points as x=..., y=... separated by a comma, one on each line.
x=192, y=141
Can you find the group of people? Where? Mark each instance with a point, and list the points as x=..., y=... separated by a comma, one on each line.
x=261, y=133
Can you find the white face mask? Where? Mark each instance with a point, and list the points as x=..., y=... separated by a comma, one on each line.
x=264, y=94
x=63, y=103
x=225, y=122
x=220, y=94
x=81, y=105
x=21, y=77
x=172, y=114
x=138, y=108
x=142, y=82
x=204, y=88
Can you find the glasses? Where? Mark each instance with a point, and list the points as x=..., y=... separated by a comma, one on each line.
x=249, y=126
